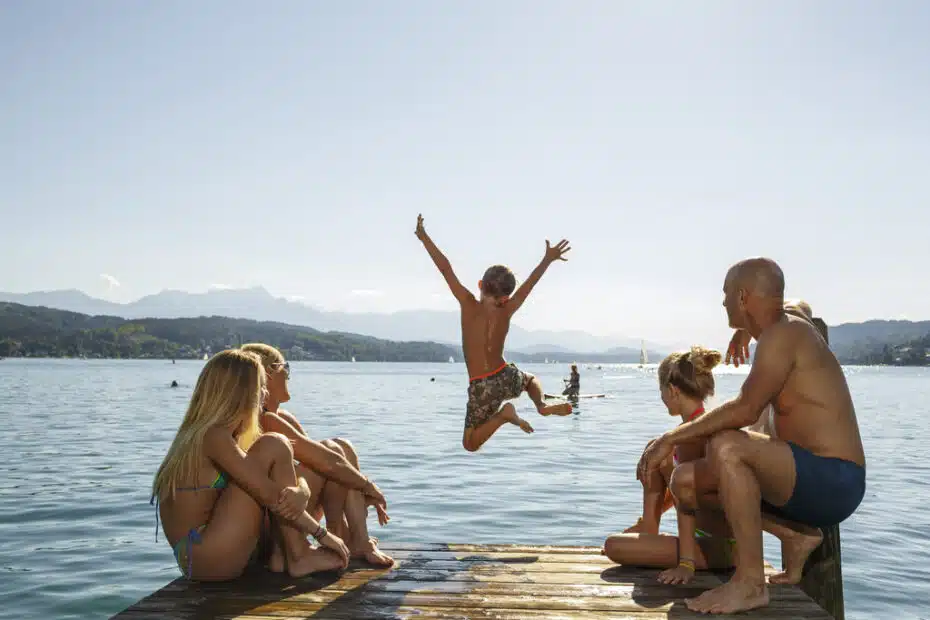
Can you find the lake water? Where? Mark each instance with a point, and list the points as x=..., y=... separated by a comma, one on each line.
x=82, y=440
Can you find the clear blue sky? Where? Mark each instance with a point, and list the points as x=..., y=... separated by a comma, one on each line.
x=184, y=145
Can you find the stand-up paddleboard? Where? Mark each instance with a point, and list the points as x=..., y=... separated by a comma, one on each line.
x=567, y=397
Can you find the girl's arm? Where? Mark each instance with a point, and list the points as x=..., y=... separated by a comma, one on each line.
x=220, y=447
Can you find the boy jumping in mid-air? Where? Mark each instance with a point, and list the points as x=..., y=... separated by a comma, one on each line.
x=485, y=323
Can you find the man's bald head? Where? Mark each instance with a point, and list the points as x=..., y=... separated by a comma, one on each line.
x=753, y=290
x=759, y=276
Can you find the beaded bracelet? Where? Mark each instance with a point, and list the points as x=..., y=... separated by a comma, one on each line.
x=320, y=533
x=686, y=563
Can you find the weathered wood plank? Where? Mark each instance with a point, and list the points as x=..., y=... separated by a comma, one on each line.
x=441, y=582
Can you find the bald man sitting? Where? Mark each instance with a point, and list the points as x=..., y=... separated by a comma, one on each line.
x=811, y=476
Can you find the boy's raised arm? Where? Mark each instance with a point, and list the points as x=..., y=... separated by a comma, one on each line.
x=462, y=294
x=553, y=253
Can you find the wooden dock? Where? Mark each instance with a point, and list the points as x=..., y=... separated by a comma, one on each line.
x=504, y=582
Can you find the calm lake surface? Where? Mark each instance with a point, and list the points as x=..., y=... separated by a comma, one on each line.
x=82, y=440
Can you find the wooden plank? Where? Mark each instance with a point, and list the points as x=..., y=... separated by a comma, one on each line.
x=505, y=582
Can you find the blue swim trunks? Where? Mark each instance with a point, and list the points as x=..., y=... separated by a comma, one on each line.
x=826, y=490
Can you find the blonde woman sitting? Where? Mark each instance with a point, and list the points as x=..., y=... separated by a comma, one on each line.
x=221, y=473
x=338, y=490
x=704, y=538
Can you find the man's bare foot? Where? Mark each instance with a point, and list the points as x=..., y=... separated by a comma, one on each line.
x=796, y=551
x=509, y=413
x=559, y=409
x=371, y=554
x=314, y=561
x=277, y=561
x=730, y=598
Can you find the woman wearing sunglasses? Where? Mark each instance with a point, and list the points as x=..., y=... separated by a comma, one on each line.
x=337, y=489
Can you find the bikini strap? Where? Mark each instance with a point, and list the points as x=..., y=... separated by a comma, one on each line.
x=193, y=536
x=155, y=500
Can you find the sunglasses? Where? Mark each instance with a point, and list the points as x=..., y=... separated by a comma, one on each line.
x=286, y=366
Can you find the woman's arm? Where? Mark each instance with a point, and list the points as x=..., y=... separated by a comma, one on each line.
x=291, y=419
x=220, y=447
x=316, y=456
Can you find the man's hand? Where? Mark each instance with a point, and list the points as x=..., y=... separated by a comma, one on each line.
x=738, y=351
x=556, y=252
x=420, y=232
x=655, y=452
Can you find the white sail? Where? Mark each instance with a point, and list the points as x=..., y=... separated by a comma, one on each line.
x=643, y=358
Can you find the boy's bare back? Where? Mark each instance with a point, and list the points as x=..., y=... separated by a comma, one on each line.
x=486, y=321
x=484, y=332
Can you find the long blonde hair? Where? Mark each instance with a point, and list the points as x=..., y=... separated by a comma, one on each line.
x=267, y=353
x=691, y=371
x=228, y=394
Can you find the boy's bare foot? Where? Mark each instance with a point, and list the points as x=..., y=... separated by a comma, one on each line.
x=371, y=554
x=314, y=561
x=559, y=409
x=796, y=551
x=730, y=598
x=509, y=413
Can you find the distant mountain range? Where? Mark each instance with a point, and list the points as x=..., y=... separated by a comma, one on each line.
x=852, y=342
x=258, y=304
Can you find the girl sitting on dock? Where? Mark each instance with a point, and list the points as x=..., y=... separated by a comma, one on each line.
x=221, y=473
x=337, y=489
x=704, y=540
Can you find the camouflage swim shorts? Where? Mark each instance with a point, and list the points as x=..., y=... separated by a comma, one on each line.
x=487, y=394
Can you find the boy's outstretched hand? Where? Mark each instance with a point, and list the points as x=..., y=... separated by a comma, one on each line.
x=420, y=232
x=553, y=253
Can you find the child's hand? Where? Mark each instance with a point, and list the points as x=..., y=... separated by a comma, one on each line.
x=738, y=351
x=556, y=252
x=679, y=574
x=293, y=501
x=420, y=231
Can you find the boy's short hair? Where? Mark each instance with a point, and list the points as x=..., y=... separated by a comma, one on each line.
x=498, y=281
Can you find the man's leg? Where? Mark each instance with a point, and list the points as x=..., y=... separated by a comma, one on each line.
x=749, y=468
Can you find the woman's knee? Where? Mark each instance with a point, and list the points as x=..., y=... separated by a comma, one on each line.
x=333, y=445
x=347, y=449
x=273, y=443
x=682, y=484
x=620, y=548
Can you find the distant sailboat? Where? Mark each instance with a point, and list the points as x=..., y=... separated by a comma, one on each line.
x=205, y=357
x=353, y=359
x=643, y=358
x=451, y=361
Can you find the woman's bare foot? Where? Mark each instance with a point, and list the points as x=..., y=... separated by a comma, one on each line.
x=796, y=551
x=559, y=409
x=314, y=561
x=509, y=413
x=730, y=598
x=277, y=562
x=371, y=554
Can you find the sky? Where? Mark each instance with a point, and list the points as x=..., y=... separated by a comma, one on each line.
x=179, y=145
